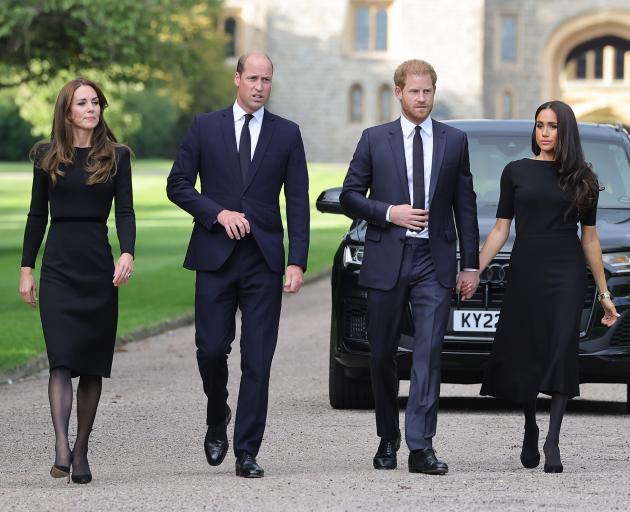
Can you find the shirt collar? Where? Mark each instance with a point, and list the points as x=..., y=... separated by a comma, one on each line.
x=408, y=127
x=239, y=113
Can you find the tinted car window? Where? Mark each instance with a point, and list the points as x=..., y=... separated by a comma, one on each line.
x=489, y=153
x=610, y=162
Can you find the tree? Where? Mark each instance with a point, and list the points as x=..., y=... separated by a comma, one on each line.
x=133, y=39
x=135, y=49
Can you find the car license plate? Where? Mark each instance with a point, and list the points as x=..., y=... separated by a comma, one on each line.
x=475, y=321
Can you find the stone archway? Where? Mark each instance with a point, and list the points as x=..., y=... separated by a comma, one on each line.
x=589, y=100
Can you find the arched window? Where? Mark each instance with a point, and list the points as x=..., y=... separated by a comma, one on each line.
x=381, y=30
x=384, y=103
x=369, y=20
x=362, y=29
x=229, y=27
x=508, y=38
x=602, y=58
x=356, y=103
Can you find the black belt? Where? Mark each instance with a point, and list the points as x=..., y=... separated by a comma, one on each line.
x=99, y=220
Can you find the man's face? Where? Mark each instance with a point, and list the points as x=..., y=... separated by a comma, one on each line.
x=416, y=97
x=253, y=85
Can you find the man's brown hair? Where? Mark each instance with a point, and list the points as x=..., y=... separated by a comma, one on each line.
x=413, y=67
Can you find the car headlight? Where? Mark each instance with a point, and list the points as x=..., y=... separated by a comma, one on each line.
x=619, y=262
x=352, y=254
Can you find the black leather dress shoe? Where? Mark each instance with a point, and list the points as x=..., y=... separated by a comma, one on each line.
x=385, y=457
x=247, y=467
x=216, y=442
x=425, y=461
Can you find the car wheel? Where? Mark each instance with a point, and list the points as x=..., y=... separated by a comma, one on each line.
x=346, y=392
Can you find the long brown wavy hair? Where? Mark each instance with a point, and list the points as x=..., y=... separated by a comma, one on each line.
x=52, y=155
x=575, y=176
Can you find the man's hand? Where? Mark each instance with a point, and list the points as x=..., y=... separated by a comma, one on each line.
x=293, y=279
x=467, y=283
x=235, y=223
x=408, y=217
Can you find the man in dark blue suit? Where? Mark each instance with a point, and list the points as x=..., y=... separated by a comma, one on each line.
x=244, y=155
x=420, y=200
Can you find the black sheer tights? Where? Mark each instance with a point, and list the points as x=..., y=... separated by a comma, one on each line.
x=530, y=439
x=556, y=413
x=60, y=396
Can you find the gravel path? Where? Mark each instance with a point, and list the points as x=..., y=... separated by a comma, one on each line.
x=146, y=451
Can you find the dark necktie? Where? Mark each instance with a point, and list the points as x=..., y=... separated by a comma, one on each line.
x=245, y=148
x=418, y=171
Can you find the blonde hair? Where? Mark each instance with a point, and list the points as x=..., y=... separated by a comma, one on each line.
x=413, y=67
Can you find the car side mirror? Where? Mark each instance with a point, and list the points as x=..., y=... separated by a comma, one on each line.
x=328, y=201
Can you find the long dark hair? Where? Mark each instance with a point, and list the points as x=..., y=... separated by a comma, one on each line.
x=576, y=178
x=51, y=155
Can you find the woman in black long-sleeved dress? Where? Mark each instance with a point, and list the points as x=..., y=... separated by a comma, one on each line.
x=77, y=175
x=536, y=343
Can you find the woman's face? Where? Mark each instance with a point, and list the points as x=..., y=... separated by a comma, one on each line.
x=547, y=131
x=85, y=110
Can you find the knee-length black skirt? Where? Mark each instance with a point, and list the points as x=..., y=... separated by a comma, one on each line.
x=78, y=302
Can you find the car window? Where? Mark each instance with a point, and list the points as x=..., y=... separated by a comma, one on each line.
x=489, y=153
x=610, y=163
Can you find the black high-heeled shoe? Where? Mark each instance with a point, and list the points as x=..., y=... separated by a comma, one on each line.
x=82, y=479
x=553, y=467
x=530, y=456
x=58, y=471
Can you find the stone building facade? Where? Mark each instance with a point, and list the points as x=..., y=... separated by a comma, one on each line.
x=334, y=59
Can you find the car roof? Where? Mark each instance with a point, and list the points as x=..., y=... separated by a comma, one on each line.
x=524, y=126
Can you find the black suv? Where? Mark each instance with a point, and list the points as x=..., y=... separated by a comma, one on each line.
x=604, y=353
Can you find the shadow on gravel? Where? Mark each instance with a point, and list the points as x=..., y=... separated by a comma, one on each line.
x=483, y=405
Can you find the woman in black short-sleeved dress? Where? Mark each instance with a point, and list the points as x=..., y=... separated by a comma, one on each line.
x=77, y=175
x=536, y=343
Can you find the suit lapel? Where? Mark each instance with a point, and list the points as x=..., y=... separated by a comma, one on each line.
x=266, y=131
x=229, y=137
x=398, y=150
x=439, y=145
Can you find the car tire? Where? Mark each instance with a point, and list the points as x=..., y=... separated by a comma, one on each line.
x=346, y=392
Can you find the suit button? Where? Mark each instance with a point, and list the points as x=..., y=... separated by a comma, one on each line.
x=242, y=197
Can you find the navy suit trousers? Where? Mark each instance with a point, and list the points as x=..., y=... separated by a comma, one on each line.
x=417, y=285
x=244, y=282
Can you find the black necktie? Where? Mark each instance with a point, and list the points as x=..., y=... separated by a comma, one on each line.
x=418, y=171
x=245, y=148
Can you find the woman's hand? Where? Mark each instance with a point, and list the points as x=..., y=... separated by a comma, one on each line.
x=124, y=269
x=28, y=288
x=610, y=312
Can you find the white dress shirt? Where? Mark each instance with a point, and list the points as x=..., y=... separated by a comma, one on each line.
x=426, y=132
x=255, y=124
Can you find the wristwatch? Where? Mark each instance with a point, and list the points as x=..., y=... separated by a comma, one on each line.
x=604, y=295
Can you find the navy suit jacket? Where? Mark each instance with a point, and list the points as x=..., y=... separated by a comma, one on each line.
x=209, y=150
x=378, y=165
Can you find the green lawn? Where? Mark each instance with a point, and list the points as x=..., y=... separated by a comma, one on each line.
x=160, y=289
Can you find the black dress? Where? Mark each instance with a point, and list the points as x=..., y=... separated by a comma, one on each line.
x=77, y=300
x=536, y=344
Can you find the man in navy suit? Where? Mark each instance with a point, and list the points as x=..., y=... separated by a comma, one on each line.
x=244, y=155
x=420, y=190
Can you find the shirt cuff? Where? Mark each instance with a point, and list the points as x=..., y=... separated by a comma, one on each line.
x=387, y=214
x=470, y=270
